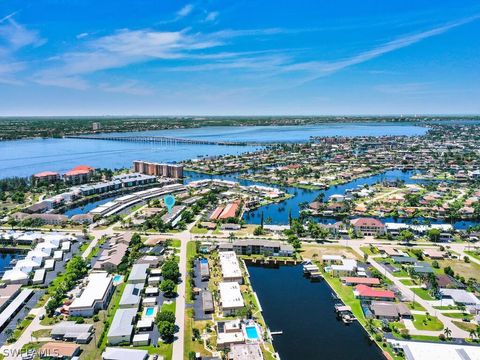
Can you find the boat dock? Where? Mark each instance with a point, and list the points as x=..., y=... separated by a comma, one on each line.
x=312, y=271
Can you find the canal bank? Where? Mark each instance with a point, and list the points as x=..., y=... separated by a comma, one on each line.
x=304, y=312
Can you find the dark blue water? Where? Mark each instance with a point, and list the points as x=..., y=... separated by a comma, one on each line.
x=26, y=157
x=304, y=312
x=87, y=207
x=287, y=133
x=5, y=259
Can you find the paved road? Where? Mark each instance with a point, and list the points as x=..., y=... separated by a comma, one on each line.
x=178, y=345
x=411, y=296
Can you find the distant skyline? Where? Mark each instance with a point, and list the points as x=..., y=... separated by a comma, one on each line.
x=83, y=57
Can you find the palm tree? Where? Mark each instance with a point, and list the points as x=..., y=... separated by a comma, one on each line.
x=370, y=325
x=447, y=332
x=472, y=333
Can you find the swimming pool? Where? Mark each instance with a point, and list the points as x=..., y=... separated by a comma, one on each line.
x=117, y=278
x=203, y=261
x=149, y=311
x=252, y=333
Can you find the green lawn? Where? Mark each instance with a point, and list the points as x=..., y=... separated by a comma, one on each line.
x=415, y=306
x=422, y=293
x=422, y=322
x=197, y=230
x=473, y=254
x=465, y=325
x=458, y=315
x=407, y=282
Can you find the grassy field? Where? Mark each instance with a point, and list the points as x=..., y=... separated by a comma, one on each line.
x=465, y=325
x=407, y=282
x=422, y=293
x=422, y=322
x=415, y=306
x=459, y=315
x=467, y=270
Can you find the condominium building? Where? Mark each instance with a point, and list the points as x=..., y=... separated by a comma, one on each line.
x=95, y=296
x=157, y=169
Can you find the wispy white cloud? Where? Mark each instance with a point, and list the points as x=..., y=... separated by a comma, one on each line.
x=211, y=16
x=13, y=37
x=82, y=35
x=16, y=36
x=185, y=11
x=319, y=69
x=130, y=87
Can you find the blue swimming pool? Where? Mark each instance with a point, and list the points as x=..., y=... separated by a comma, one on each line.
x=204, y=261
x=149, y=311
x=252, y=333
x=117, y=278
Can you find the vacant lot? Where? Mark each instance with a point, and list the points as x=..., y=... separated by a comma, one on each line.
x=308, y=251
x=467, y=270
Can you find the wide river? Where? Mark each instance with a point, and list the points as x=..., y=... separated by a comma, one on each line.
x=26, y=157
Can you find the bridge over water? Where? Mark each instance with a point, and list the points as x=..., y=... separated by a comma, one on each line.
x=168, y=140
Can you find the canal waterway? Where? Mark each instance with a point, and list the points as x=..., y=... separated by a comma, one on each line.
x=26, y=157
x=304, y=311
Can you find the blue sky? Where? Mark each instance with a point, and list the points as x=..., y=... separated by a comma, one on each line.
x=161, y=57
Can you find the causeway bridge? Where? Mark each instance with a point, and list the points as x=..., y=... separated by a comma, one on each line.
x=168, y=140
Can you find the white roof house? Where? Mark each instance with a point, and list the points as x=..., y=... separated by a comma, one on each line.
x=460, y=296
x=111, y=353
x=96, y=295
x=230, y=268
x=230, y=297
x=15, y=276
x=438, y=351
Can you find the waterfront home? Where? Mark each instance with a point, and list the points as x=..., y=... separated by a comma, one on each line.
x=231, y=298
x=59, y=350
x=347, y=268
x=331, y=259
x=229, y=333
x=82, y=219
x=71, y=331
x=389, y=310
x=261, y=247
x=230, y=267
x=368, y=226
x=112, y=353
x=245, y=352
x=15, y=276
x=95, y=296
x=121, y=330
x=79, y=174
x=46, y=177
x=352, y=281
x=367, y=293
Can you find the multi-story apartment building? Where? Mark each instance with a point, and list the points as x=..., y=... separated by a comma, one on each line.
x=157, y=169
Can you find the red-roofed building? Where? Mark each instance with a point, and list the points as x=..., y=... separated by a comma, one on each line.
x=368, y=226
x=230, y=210
x=216, y=213
x=79, y=174
x=46, y=176
x=360, y=280
x=368, y=293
